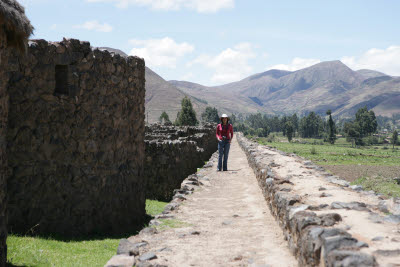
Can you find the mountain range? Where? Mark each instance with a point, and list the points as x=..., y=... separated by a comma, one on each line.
x=326, y=85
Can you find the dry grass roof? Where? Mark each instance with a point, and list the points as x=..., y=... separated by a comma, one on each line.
x=17, y=26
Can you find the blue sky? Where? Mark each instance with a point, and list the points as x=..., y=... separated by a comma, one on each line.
x=218, y=41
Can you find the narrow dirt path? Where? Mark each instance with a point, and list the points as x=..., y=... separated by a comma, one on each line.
x=234, y=224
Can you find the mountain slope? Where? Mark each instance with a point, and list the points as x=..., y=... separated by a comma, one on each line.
x=164, y=96
x=161, y=95
x=326, y=85
x=371, y=73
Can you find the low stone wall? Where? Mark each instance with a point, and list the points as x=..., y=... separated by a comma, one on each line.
x=134, y=251
x=312, y=238
x=76, y=140
x=173, y=153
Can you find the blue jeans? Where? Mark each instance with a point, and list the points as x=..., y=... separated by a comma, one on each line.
x=223, y=150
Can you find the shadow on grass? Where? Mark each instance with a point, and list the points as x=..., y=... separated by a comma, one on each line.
x=86, y=237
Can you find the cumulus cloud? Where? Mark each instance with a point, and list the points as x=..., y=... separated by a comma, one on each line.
x=202, y=6
x=94, y=25
x=163, y=52
x=384, y=60
x=230, y=65
x=296, y=64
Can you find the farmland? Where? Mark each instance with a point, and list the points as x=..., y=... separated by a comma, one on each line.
x=373, y=167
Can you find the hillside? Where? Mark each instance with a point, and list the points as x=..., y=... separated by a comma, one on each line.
x=161, y=95
x=326, y=85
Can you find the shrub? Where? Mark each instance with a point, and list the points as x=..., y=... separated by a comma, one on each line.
x=313, y=151
x=370, y=140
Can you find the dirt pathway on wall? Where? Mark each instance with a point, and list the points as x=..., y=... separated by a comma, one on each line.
x=233, y=221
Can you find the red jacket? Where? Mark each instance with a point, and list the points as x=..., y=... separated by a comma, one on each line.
x=224, y=130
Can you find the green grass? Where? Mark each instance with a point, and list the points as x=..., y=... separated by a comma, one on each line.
x=388, y=187
x=43, y=251
x=36, y=251
x=171, y=223
x=154, y=207
x=339, y=154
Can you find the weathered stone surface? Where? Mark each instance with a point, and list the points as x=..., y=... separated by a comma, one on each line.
x=149, y=231
x=349, y=258
x=76, y=141
x=3, y=155
x=148, y=256
x=350, y=206
x=127, y=248
x=311, y=238
x=394, y=206
x=388, y=253
x=121, y=261
x=174, y=153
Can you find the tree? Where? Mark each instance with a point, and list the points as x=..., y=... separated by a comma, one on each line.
x=367, y=121
x=331, y=128
x=232, y=119
x=187, y=115
x=311, y=126
x=283, y=123
x=164, y=118
x=395, y=138
x=352, y=131
x=210, y=115
x=289, y=130
x=295, y=123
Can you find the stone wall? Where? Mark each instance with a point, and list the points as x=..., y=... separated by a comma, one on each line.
x=75, y=140
x=3, y=155
x=173, y=153
x=311, y=237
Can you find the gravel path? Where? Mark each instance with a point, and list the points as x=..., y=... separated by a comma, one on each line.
x=226, y=223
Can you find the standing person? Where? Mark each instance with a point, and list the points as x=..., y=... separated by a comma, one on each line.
x=224, y=136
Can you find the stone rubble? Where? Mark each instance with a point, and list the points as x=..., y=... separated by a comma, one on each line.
x=310, y=236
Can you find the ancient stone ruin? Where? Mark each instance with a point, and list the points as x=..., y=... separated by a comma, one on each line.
x=75, y=140
x=173, y=153
x=15, y=29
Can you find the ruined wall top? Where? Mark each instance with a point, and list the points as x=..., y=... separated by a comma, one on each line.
x=163, y=132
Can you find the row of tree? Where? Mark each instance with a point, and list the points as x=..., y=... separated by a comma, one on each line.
x=310, y=126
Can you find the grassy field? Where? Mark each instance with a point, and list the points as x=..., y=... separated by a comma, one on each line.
x=388, y=187
x=372, y=167
x=339, y=154
x=41, y=251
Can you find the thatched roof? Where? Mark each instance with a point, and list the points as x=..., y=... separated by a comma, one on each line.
x=17, y=26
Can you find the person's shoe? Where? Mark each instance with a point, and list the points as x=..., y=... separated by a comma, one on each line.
x=225, y=170
x=218, y=170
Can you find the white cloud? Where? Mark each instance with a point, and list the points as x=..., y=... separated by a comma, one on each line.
x=202, y=6
x=296, y=64
x=230, y=65
x=53, y=27
x=187, y=77
x=385, y=60
x=94, y=25
x=160, y=52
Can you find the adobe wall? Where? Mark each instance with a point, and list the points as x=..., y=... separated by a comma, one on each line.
x=3, y=155
x=173, y=153
x=76, y=140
